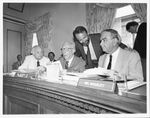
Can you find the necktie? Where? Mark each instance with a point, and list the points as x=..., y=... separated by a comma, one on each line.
x=109, y=64
x=66, y=64
x=38, y=63
x=88, y=57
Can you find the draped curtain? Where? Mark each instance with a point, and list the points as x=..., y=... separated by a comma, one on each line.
x=140, y=10
x=99, y=18
x=28, y=42
x=43, y=26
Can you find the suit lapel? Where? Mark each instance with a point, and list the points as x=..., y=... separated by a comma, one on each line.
x=96, y=46
x=102, y=60
x=82, y=51
x=63, y=62
x=72, y=63
x=120, y=59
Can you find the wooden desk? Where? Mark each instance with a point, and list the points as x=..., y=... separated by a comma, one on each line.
x=24, y=96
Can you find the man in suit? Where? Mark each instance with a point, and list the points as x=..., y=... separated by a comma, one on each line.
x=69, y=61
x=123, y=61
x=36, y=60
x=87, y=46
x=18, y=63
x=140, y=41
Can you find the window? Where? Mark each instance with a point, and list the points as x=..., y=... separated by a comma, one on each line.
x=123, y=16
x=35, y=41
x=124, y=11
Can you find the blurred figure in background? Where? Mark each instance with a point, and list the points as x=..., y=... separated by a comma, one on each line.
x=51, y=56
x=17, y=63
x=140, y=40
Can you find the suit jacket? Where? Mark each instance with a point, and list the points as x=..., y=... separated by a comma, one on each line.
x=77, y=64
x=140, y=40
x=128, y=62
x=31, y=63
x=95, y=40
x=16, y=65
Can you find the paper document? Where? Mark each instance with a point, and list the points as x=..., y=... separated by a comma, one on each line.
x=53, y=71
x=97, y=71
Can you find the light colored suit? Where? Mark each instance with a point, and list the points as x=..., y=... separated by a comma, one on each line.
x=77, y=64
x=128, y=62
x=31, y=63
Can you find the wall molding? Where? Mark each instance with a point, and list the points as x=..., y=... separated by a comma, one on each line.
x=14, y=20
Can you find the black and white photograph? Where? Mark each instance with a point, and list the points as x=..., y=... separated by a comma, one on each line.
x=75, y=59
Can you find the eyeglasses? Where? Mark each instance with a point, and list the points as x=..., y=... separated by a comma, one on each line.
x=66, y=49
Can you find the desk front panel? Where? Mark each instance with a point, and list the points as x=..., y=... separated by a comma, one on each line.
x=24, y=96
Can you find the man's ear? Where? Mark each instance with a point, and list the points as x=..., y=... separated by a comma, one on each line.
x=32, y=51
x=74, y=50
x=115, y=40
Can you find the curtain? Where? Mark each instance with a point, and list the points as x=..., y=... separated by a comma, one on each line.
x=43, y=27
x=44, y=34
x=140, y=10
x=99, y=18
x=28, y=42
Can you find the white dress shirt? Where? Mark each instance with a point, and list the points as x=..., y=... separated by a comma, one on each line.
x=93, y=55
x=31, y=63
x=114, y=58
x=69, y=62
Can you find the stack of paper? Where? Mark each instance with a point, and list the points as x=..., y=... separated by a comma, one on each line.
x=52, y=71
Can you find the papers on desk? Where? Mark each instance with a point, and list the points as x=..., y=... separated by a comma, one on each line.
x=134, y=84
x=53, y=71
x=97, y=71
x=92, y=73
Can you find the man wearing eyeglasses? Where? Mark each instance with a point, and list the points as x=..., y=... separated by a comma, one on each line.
x=69, y=61
x=87, y=46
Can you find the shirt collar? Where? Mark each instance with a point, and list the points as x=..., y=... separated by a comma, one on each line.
x=70, y=60
x=116, y=52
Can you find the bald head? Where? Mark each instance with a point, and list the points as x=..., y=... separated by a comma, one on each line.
x=37, y=52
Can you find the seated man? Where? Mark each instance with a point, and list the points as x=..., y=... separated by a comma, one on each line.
x=36, y=60
x=17, y=63
x=69, y=61
x=124, y=61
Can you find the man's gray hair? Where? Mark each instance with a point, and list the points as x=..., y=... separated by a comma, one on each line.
x=71, y=43
x=34, y=48
x=114, y=34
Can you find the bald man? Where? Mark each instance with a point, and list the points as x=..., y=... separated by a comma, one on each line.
x=35, y=60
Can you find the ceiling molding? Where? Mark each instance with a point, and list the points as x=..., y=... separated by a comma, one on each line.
x=13, y=19
x=112, y=5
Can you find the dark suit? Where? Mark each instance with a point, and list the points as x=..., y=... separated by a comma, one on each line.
x=95, y=40
x=16, y=65
x=140, y=45
x=77, y=64
x=140, y=40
